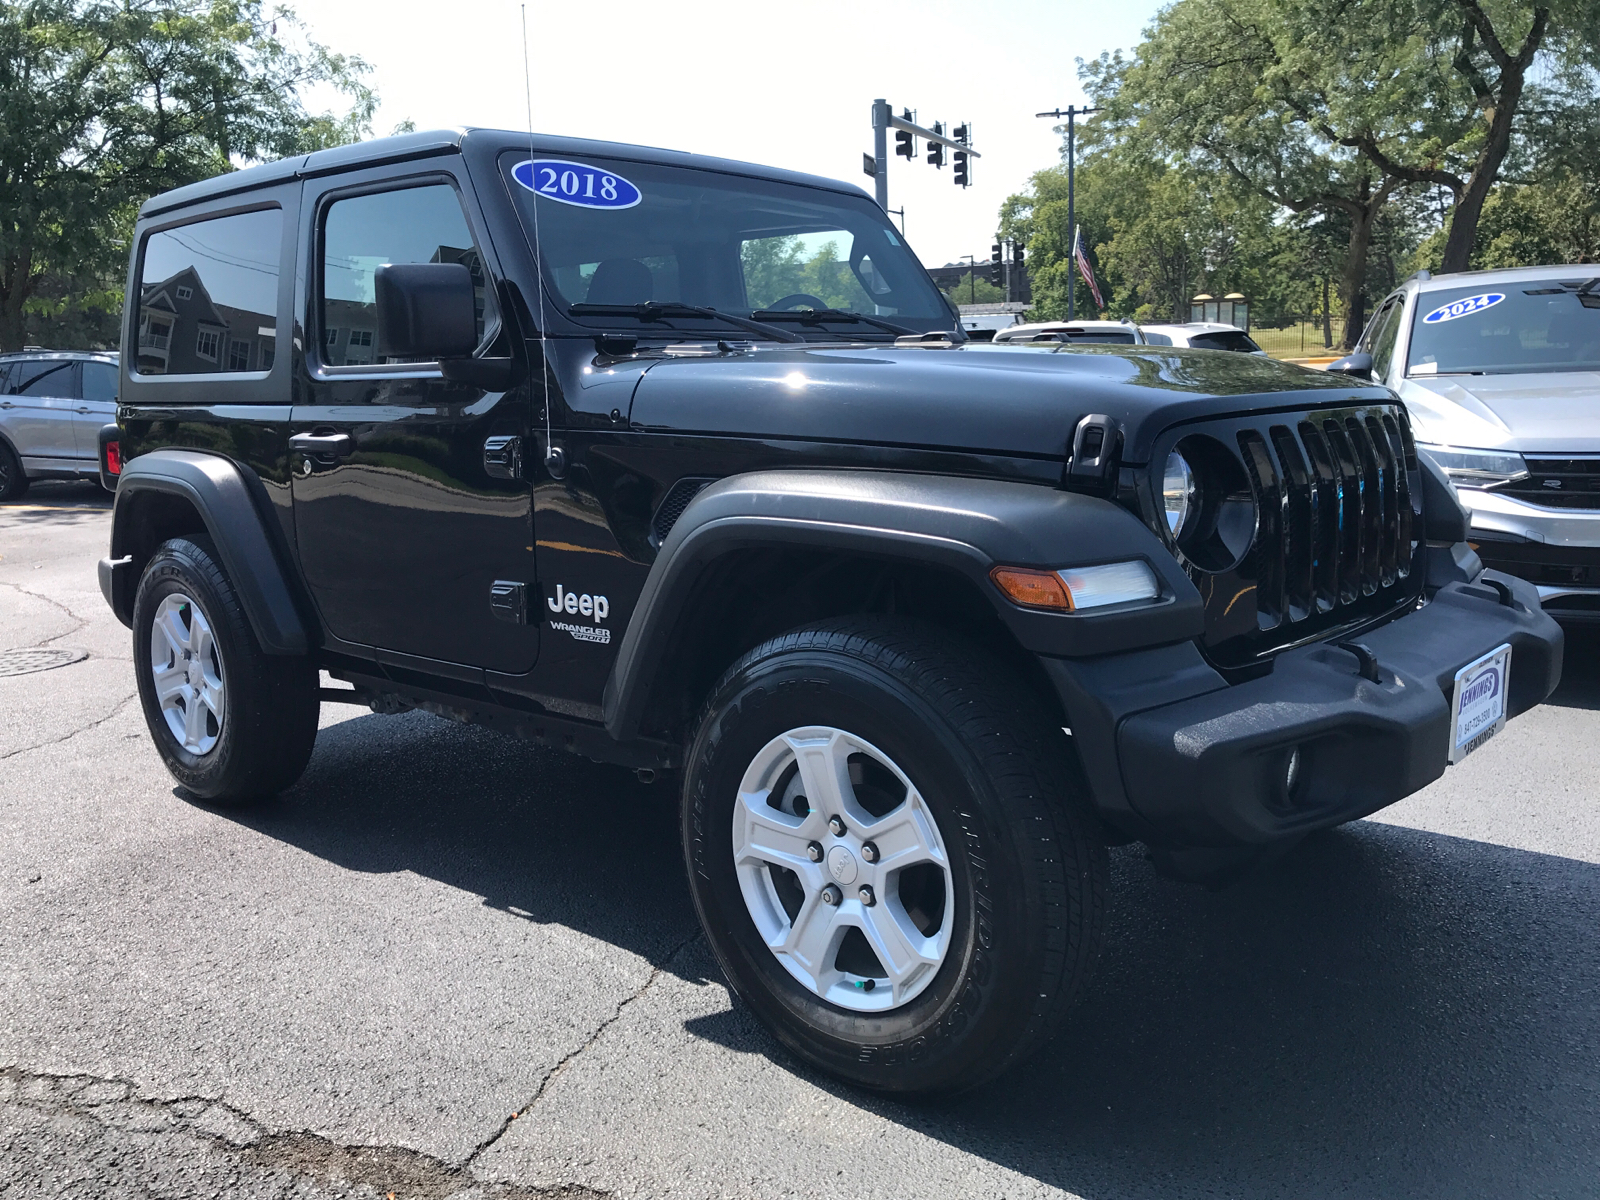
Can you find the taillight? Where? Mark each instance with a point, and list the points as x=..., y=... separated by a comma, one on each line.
x=113, y=458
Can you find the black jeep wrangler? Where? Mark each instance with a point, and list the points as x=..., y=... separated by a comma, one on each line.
x=685, y=465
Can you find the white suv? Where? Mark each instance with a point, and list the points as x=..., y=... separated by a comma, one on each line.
x=1500, y=371
x=52, y=406
x=1115, y=333
x=1201, y=335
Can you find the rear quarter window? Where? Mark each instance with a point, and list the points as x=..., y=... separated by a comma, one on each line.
x=208, y=296
x=1226, y=340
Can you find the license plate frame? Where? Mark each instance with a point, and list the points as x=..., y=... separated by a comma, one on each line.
x=1478, y=701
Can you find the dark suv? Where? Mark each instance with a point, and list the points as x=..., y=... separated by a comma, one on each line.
x=685, y=465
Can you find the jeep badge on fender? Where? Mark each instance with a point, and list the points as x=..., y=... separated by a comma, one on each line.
x=862, y=587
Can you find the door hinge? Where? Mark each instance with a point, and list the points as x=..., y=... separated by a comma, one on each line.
x=502, y=457
x=508, y=601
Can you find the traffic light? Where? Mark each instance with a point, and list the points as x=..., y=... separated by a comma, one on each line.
x=997, y=268
x=1016, y=254
x=936, y=149
x=961, y=168
x=904, y=145
x=960, y=134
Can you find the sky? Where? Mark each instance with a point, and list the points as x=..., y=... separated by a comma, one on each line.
x=784, y=85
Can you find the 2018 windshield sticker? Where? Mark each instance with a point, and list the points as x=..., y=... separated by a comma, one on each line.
x=575, y=183
x=1463, y=307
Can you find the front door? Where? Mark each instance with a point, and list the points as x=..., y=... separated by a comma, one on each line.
x=40, y=396
x=403, y=530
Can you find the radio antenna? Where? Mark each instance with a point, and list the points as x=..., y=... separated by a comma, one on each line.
x=553, y=460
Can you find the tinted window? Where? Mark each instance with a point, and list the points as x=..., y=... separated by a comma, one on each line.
x=1158, y=339
x=1507, y=328
x=43, y=377
x=727, y=242
x=99, y=382
x=1226, y=340
x=208, y=295
x=362, y=233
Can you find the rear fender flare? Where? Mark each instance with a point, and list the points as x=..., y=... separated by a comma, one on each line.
x=218, y=490
x=969, y=525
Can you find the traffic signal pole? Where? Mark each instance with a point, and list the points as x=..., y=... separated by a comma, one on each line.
x=1072, y=111
x=883, y=120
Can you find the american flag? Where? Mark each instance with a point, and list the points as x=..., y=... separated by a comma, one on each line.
x=1084, y=268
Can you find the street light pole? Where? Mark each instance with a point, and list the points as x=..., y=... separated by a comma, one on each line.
x=1072, y=112
x=880, y=150
x=972, y=277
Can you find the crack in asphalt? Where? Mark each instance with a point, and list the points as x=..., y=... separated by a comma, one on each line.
x=117, y=708
x=553, y=1072
x=207, y=1126
x=82, y=622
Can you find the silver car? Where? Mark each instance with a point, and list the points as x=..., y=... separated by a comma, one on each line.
x=53, y=404
x=1500, y=371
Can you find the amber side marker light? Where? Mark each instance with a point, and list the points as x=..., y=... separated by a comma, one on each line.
x=1032, y=589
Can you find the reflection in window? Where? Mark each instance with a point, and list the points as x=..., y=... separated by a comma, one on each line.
x=206, y=288
x=362, y=233
x=815, y=265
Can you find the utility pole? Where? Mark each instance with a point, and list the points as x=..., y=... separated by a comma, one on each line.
x=1071, y=113
x=883, y=120
x=972, y=278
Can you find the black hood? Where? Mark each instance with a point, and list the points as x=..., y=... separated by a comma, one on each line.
x=1016, y=400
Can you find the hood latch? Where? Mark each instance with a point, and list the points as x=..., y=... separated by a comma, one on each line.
x=1096, y=453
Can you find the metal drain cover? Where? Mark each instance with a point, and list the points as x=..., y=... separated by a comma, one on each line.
x=39, y=658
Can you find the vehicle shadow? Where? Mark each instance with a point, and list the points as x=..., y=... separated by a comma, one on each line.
x=538, y=833
x=1385, y=1012
x=54, y=500
x=1580, y=669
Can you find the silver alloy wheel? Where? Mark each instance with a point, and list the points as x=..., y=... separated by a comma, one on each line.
x=186, y=669
x=862, y=918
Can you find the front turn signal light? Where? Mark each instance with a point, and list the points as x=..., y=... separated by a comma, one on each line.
x=1032, y=589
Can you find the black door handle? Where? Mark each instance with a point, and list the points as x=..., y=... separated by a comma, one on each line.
x=323, y=445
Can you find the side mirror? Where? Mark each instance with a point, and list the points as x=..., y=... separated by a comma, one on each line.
x=425, y=310
x=1358, y=364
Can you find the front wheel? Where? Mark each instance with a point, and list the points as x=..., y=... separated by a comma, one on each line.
x=887, y=855
x=231, y=722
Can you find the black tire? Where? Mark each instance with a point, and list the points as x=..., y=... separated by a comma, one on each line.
x=13, y=479
x=271, y=704
x=1029, y=875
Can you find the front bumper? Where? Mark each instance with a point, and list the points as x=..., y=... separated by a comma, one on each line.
x=1210, y=769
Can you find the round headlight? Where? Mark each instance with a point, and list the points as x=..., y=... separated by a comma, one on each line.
x=1178, y=492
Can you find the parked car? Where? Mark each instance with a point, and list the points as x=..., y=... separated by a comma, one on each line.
x=1500, y=371
x=679, y=463
x=52, y=406
x=1201, y=335
x=1109, y=333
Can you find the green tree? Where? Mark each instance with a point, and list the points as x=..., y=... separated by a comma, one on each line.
x=106, y=103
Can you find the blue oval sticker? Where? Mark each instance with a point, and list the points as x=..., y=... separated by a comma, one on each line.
x=1463, y=307
x=575, y=183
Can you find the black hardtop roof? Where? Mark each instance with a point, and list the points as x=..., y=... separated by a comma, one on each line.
x=445, y=141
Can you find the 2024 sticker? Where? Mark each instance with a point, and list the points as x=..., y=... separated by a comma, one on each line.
x=1463, y=307
x=575, y=183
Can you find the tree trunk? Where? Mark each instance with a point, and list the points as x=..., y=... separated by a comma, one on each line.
x=15, y=288
x=1463, y=235
x=1327, y=317
x=1352, y=291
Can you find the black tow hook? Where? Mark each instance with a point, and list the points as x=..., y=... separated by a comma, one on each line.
x=1367, y=660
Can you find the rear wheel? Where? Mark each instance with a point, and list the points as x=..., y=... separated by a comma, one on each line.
x=887, y=856
x=231, y=722
x=13, y=479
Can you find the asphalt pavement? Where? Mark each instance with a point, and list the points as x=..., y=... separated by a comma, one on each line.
x=447, y=963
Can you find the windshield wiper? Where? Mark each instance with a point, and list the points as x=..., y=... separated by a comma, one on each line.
x=656, y=310
x=815, y=316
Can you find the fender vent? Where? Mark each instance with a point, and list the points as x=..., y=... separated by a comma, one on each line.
x=672, y=506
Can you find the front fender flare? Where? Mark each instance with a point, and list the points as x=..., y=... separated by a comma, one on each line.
x=969, y=525
x=220, y=493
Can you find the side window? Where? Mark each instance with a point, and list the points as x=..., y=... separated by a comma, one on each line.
x=43, y=377
x=1157, y=339
x=362, y=233
x=1383, y=343
x=208, y=295
x=1375, y=327
x=100, y=382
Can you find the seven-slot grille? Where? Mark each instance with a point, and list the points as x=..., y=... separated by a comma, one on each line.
x=1558, y=482
x=1335, y=511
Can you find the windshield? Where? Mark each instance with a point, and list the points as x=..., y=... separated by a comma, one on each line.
x=1507, y=328
x=617, y=234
